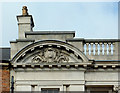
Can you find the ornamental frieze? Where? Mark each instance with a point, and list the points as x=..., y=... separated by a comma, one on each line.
x=50, y=55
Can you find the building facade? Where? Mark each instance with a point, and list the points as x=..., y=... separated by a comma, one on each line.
x=53, y=61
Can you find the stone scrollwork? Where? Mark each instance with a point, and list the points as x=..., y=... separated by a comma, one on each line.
x=37, y=59
x=62, y=58
x=50, y=55
x=116, y=88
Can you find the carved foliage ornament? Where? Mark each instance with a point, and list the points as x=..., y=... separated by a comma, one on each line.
x=116, y=88
x=50, y=55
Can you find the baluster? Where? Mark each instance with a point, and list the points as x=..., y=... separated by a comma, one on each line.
x=91, y=49
x=96, y=48
x=101, y=53
x=84, y=49
x=105, y=48
x=113, y=48
x=87, y=48
x=109, y=48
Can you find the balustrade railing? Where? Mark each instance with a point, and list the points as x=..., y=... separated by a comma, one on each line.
x=101, y=49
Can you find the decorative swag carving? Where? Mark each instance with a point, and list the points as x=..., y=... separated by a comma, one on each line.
x=50, y=55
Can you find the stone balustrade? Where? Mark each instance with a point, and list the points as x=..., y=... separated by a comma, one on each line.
x=102, y=49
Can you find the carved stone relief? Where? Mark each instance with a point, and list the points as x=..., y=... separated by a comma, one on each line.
x=50, y=55
x=116, y=88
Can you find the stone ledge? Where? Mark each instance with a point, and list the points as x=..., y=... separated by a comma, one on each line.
x=92, y=40
x=107, y=61
x=102, y=40
x=68, y=65
x=60, y=65
x=22, y=40
x=50, y=32
x=75, y=40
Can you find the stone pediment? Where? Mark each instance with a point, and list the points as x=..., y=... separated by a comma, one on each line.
x=49, y=51
x=49, y=55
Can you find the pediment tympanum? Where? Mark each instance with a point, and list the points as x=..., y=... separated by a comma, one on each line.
x=49, y=51
x=51, y=55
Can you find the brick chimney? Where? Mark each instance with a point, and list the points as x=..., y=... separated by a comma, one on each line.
x=25, y=23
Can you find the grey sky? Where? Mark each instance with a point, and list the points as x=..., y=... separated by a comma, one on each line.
x=88, y=19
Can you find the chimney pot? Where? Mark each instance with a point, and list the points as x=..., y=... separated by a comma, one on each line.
x=24, y=10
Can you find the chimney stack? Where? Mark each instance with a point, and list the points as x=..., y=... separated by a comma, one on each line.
x=25, y=23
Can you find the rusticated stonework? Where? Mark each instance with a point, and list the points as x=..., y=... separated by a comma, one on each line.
x=50, y=55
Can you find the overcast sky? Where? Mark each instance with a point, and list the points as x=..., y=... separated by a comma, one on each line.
x=87, y=19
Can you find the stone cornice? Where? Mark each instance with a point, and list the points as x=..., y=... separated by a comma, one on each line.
x=50, y=33
x=67, y=65
x=51, y=65
x=22, y=40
